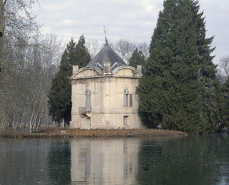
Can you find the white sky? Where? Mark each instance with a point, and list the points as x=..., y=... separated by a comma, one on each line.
x=134, y=20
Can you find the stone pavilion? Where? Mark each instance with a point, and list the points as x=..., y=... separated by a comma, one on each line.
x=104, y=93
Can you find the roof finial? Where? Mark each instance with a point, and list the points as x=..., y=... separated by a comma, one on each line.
x=105, y=32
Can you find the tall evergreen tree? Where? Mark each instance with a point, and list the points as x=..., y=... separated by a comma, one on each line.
x=60, y=92
x=210, y=91
x=82, y=55
x=171, y=91
x=137, y=58
x=225, y=109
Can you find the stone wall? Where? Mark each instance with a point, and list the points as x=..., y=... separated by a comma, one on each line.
x=107, y=99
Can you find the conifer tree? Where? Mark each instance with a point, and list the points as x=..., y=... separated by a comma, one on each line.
x=171, y=91
x=60, y=92
x=210, y=90
x=82, y=57
x=225, y=109
x=137, y=58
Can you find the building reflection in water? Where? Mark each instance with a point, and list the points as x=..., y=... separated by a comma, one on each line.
x=104, y=161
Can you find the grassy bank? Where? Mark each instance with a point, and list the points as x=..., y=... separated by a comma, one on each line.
x=74, y=133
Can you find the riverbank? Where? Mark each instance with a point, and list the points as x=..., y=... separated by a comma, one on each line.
x=75, y=133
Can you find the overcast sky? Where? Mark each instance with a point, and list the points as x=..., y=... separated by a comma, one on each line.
x=134, y=20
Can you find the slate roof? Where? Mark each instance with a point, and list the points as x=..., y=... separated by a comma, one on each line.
x=107, y=54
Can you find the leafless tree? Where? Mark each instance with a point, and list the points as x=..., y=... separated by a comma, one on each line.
x=16, y=24
x=93, y=47
x=18, y=28
x=144, y=48
x=125, y=48
x=27, y=82
x=52, y=50
x=224, y=65
x=223, y=69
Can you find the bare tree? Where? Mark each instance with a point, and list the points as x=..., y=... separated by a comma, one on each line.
x=20, y=31
x=93, y=47
x=144, y=48
x=224, y=65
x=24, y=98
x=125, y=48
x=221, y=76
x=16, y=23
x=52, y=50
x=223, y=69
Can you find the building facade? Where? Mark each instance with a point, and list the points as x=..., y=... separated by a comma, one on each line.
x=104, y=93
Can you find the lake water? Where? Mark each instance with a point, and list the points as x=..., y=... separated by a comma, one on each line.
x=161, y=161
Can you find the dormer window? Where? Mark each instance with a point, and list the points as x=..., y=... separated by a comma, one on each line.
x=106, y=68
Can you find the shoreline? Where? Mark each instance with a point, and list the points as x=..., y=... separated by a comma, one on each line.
x=94, y=133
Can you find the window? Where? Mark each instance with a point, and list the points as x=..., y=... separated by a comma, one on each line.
x=131, y=102
x=88, y=100
x=125, y=120
x=128, y=98
x=126, y=93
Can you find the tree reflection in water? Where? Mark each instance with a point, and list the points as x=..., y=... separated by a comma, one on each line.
x=192, y=160
x=59, y=162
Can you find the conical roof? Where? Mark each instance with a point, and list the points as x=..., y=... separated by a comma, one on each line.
x=106, y=54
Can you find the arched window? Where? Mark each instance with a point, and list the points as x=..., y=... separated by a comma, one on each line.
x=126, y=93
x=88, y=100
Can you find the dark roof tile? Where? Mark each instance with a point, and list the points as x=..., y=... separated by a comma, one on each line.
x=107, y=54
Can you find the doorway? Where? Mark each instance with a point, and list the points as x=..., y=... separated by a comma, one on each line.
x=88, y=123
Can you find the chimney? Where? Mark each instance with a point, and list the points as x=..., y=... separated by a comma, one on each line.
x=74, y=68
x=139, y=68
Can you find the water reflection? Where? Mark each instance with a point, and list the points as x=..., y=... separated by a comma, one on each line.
x=192, y=160
x=59, y=162
x=24, y=161
x=165, y=161
x=104, y=161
